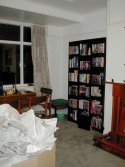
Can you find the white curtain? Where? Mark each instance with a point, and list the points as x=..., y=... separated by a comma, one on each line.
x=39, y=58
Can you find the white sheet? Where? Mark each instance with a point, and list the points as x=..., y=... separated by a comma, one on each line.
x=23, y=135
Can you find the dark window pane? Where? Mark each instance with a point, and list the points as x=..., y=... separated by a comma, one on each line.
x=9, y=32
x=28, y=66
x=9, y=64
x=27, y=34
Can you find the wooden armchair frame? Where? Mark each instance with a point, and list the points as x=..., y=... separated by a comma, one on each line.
x=47, y=92
x=39, y=100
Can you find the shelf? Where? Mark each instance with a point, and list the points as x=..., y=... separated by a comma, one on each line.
x=90, y=85
x=73, y=96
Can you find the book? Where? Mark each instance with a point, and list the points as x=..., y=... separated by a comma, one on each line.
x=85, y=65
x=73, y=62
x=73, y=115
x=73, y=76
x=84, y=90
x=98, y=48
x=98, y=62
x=81, y=104
x=73, y=103
x=96, y=122
x=84, y=104
x=101, y=48
x=85, y=50
x=94, y=104
x=96, y=79
x=84, y=78
x=73, y=90
x=81, y=49
x=73, y=50
x=99, y=109
x=95, y=91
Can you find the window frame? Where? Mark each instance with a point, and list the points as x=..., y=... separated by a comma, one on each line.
x=21, y=43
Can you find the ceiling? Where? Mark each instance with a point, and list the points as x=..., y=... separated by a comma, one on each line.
x=49, y=12
x=77, y=6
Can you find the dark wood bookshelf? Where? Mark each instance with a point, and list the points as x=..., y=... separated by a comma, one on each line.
x=89, y=75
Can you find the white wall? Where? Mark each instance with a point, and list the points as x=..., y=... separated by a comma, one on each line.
x=55, y=57
x=93, y=26
x=115, y=53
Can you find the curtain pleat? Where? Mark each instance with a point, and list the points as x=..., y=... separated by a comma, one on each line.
x=39, y=58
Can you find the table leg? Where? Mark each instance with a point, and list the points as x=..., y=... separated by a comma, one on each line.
x=55, y=112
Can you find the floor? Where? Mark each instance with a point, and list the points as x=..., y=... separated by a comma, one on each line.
x=74, y=148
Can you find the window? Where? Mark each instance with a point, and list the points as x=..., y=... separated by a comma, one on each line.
x=15, y=54
x=9, y=32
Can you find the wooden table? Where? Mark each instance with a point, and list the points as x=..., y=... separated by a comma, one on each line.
x=18, y=100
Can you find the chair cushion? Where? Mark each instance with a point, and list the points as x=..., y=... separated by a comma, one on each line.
x=38, y=108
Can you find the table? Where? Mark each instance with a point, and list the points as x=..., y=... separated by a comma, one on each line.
x=17, y=100
x=58, y=104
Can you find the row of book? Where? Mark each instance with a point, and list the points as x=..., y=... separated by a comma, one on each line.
x=98, y=62
x=73, y=115
x=86, y=49
x=95, y=79
x=73, y=63
x=84, y=78
x=73, y=90
x=93, y=106
x=73, y=76
x=98, y=48
x=73, y=50
x=96, y=91
x=86, y=65
x=96, y=108
x=73, y=103
x=96, y=122
x=85, y=91
x=84, y=104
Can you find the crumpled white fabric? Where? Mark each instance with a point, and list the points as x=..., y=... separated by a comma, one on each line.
x=24, y=134
x=40, y=131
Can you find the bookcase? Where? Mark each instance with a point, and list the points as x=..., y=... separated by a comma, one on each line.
x=86, y=83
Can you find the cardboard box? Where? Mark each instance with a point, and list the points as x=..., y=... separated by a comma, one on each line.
x=45, y=159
